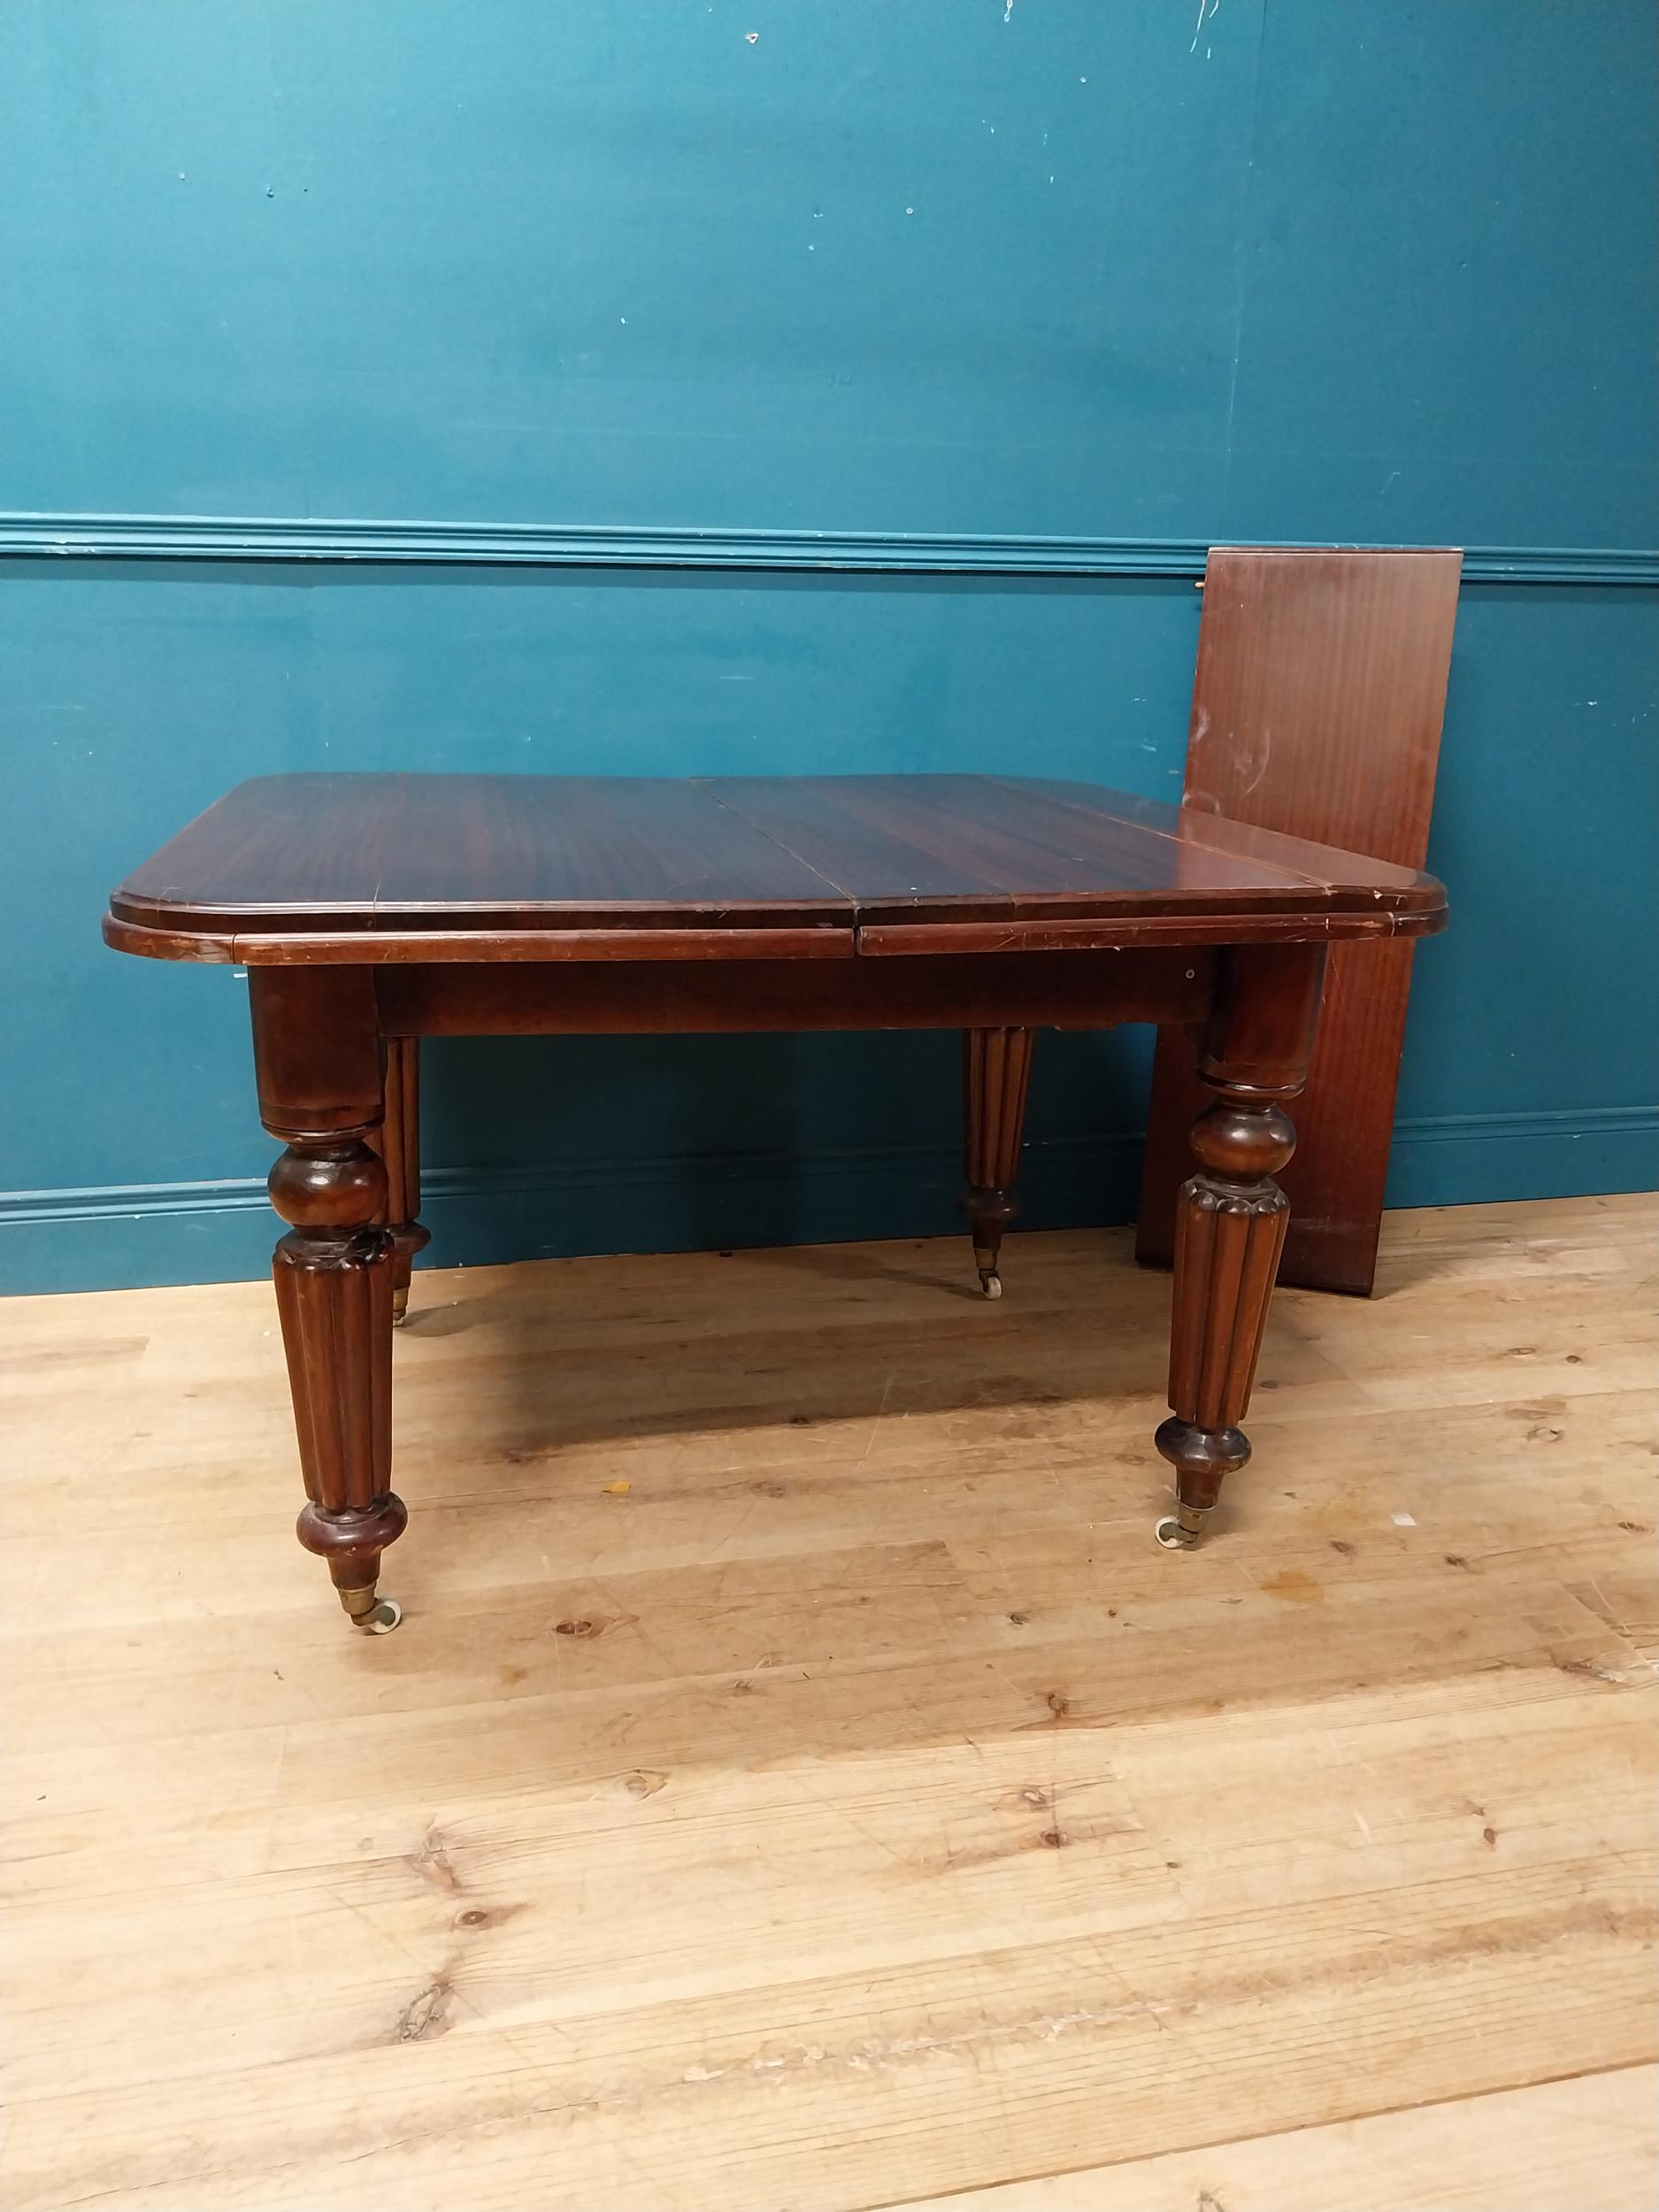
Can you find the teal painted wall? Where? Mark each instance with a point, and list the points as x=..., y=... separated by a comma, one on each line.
x=1383, y=272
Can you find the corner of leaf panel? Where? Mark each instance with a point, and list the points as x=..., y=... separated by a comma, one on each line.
x=151, y=943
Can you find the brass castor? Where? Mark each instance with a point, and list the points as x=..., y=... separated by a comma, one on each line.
x=400, y=1307
x=1183, y=1529
x=375, y=1616
x=990, y=1282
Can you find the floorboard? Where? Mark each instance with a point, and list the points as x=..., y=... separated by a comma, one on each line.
x=800, y=1782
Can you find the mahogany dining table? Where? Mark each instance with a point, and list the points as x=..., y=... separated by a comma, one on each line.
x=373, y=910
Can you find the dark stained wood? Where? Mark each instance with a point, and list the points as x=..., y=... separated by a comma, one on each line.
x=296, y=870
x=311, y=854
x=1317, y=712
x=375, y=911
x=1260, y=1030
x=317, y=1054
x=995, y=1080
x=399, y=1148
x=1236, y=840
x=909, y=849
x=378, y=947
x=1057, y=990
x=1125, y=927
x=316, y=1051
x=1231, y=1217
x=994, y=848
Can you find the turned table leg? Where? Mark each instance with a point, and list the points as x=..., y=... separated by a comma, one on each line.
x=996, y=1079
x=399, y=1148
x=316, y=1058
x=1231, y=1217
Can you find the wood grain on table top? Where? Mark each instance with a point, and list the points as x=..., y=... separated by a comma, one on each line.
x=323, y=854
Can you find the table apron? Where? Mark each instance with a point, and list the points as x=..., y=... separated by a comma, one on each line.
x=1027, y=990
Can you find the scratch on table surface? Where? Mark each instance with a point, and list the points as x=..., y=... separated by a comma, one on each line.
x=1259, y=768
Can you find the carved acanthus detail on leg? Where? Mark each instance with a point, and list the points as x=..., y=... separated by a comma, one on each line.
x=996, y=1077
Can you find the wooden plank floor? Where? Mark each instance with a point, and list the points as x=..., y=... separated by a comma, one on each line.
x=800, y=1782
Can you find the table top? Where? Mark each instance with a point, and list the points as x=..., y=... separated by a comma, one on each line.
x=366, y=867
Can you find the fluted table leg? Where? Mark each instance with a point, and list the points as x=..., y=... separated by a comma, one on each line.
x=995, y=1080
x=1231, y=1218
x=400, y=1149
x=317, y=1056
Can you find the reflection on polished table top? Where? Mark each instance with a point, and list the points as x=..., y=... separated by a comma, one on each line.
x=802, y=866
x=373, y=910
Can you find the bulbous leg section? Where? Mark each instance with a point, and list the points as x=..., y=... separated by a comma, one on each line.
x=989, y=1213
x=1201, y=1458
x=351, y=1544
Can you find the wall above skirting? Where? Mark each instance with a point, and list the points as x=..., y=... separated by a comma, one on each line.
x=855, y=552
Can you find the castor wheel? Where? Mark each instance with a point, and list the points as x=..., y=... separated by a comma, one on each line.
x=375, y=1616
x=990, y=1282
x=1183, y=1529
